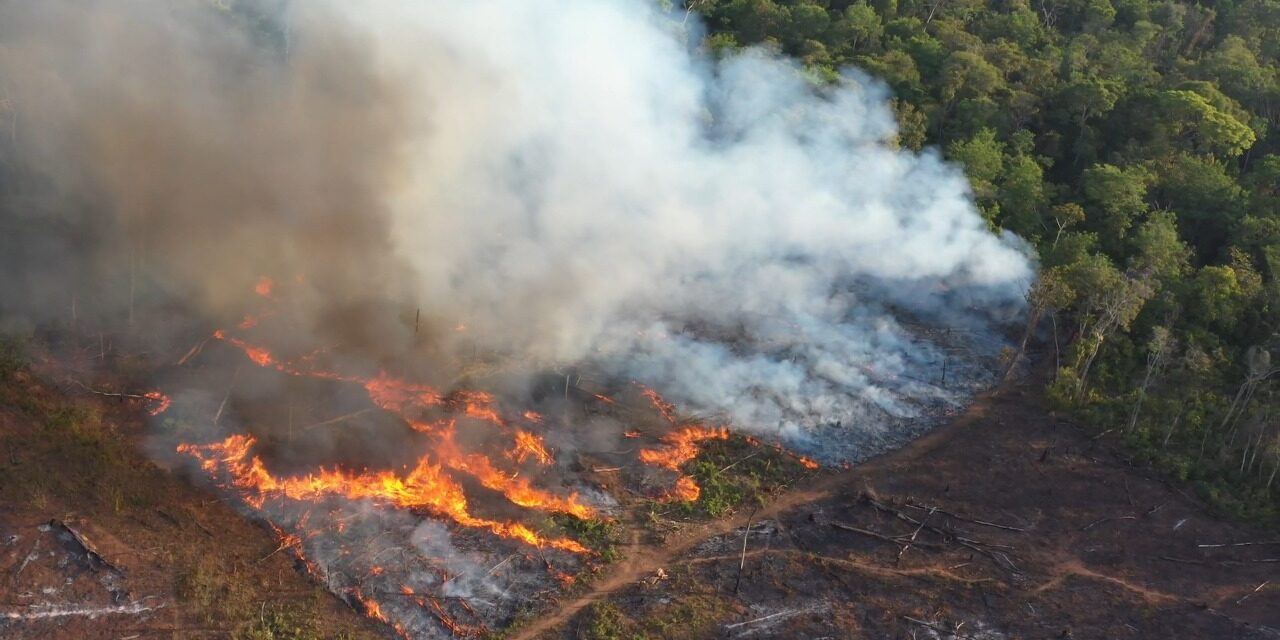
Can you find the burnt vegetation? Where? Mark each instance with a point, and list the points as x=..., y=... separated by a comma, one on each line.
x=1132, y=143
x=1136, y=145
x=194, y=567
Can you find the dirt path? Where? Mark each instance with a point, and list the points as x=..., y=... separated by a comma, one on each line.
x=647, y=560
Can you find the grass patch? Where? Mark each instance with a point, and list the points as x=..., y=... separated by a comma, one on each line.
x=73, y=451
x=13, y=356
x=735, y=472
x=605, y=621
x=212, y=592
x=691, y=616
x=601, y=536
x=273, y=623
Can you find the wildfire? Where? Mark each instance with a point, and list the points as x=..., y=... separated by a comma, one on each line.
x=681, y=447
x=805, y=461
x=426, y=487
x=265, y=287
x=430, y=485
x=161, y=401
x=528, y=444
x=516, y=489
x=686, y=489
x=667, y=409
x=397, y=396
x=258, y=355
x=405, y=398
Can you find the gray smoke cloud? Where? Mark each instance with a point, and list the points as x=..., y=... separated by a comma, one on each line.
x=567, y=187
x=576, y=182
x=588, y=187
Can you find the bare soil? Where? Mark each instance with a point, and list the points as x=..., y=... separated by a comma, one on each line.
x=171, y=560
x=1008, y=522
x=1076, y=543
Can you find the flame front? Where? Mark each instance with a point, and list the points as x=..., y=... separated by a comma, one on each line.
x=426, y=487
x=162, y=402
x=682, y=446
x=430, y=484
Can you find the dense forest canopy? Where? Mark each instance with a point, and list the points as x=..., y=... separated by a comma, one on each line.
x=1135, y=144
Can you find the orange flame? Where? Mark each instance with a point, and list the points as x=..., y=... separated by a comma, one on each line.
x=681, y=447
x=162, y=402
x=399, y=397
x=686, y=489
x=805, y=461
x=264, y=287
x=528, y=444
x=667, y=409
x=426, y=487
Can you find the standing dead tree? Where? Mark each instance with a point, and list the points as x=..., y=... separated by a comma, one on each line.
x=1161, y=344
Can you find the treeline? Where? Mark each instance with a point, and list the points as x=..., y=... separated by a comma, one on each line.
x=1135, y=144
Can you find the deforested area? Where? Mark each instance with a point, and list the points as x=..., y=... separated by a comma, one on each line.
x=633, y=318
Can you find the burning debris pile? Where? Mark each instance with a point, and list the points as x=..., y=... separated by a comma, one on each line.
x=517, y=242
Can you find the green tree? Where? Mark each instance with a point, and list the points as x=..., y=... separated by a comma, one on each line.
x=982, y=157
x=1115, y=197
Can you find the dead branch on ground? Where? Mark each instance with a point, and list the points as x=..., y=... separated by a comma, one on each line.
x=1107, y=519
x=924, y=507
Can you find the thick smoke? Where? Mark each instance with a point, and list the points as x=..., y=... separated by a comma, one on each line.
x=588, y=187
x=575, y=182
x=484, y=193
x=161, y=156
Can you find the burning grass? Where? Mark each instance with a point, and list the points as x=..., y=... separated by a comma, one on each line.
x=736, y=472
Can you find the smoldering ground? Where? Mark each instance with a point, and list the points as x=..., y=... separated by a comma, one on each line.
x=722, y=229
x=490, y=193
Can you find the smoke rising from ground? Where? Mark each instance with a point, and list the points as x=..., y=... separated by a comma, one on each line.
x=575, y=182
x=567, y=190
x=589, y=187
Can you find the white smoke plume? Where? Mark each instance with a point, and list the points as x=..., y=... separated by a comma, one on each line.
x=550, y=186
x=577, y=182
x=586, y=184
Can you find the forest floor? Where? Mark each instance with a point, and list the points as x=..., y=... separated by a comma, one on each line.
x=1008, y=522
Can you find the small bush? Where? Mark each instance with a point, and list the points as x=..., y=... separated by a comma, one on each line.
x=12, y=356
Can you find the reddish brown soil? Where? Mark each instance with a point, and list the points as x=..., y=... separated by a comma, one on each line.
x=1108, y=551
x=185, y=563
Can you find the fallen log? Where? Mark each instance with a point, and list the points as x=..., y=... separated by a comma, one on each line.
x=937, y=628
x=923, y=507
x=977, y=546
x=90, y=551
x=1107, y=519
x=1255, y=590
x=780, y=614
x=883, y=538
x=1236, y=544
